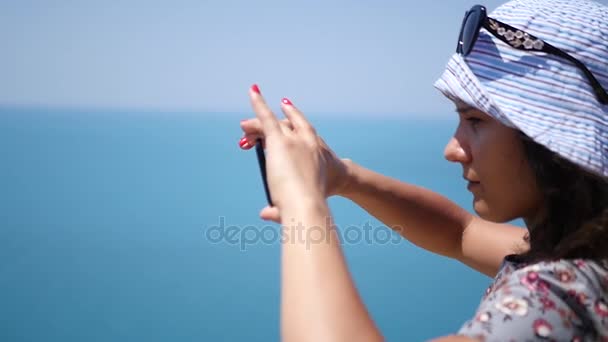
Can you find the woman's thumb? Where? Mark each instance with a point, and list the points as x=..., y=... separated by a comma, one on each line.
x=270, y=214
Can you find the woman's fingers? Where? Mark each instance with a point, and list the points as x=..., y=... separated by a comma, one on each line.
x=253, y=131
x=299, y=121
x=254, y=126
x=270, y=214
x=270, y=124
x=248, y=141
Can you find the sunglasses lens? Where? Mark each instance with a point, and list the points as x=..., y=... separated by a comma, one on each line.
x=470, y=29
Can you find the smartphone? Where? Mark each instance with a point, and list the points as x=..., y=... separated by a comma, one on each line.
x=259, y=150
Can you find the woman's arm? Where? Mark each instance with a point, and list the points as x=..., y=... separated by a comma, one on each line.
x=319, y=300
x=431, y=221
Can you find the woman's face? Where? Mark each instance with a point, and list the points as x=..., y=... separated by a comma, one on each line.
x=495, y=166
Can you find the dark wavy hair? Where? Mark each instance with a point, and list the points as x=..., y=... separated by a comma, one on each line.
x=574, y=221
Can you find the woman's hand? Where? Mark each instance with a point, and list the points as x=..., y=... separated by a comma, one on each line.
x=295, y=171
x=332, y=171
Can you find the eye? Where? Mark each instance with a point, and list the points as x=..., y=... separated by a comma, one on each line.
x=473, y=121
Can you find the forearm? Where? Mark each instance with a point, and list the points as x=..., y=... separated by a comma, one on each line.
x=319, y=301
x=424, y=217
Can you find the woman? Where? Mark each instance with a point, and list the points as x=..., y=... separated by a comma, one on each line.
x=529, y=84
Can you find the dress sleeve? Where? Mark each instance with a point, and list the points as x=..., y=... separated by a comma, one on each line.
x=541, y=302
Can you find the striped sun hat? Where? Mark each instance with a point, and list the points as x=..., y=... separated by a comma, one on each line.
x=546, y=97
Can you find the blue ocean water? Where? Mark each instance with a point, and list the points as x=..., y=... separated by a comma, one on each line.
x=105, y=221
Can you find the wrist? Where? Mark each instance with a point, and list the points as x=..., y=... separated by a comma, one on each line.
x=299, y=195
x=350, y=178
x=305, y=206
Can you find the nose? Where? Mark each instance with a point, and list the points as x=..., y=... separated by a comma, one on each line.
x=455, y=152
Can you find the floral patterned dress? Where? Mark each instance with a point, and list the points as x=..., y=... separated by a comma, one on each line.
x=562, y=300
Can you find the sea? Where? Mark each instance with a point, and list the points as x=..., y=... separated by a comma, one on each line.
x=120, y=225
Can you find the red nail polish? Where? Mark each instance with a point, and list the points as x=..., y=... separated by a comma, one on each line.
x=286, y=101
x=256, y=89
x=242, y=142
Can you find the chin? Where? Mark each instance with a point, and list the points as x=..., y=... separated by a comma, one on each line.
x=488, y=213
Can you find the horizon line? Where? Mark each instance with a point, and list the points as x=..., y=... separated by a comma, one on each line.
x=70, y=109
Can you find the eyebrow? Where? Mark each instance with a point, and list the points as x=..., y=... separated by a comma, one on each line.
x=463, y=109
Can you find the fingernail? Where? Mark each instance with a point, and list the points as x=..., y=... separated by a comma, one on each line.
x=245, y=144
x=286, y=101
x=256, y=89
x=244, y=120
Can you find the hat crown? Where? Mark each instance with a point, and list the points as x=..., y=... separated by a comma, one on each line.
x=578, y=27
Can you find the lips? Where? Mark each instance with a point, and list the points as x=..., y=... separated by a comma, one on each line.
x=468, y=176
x=472, y=185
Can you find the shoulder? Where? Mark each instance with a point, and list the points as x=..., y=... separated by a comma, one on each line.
x=564, y=298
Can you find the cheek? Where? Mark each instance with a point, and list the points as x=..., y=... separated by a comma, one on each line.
x=509, y=189
x=487, y=158
x=497, y=153
x=530, y=195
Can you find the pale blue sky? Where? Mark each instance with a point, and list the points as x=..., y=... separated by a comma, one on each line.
x=378, y=57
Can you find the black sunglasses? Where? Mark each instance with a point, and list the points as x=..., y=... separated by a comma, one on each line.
x=476, y=18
